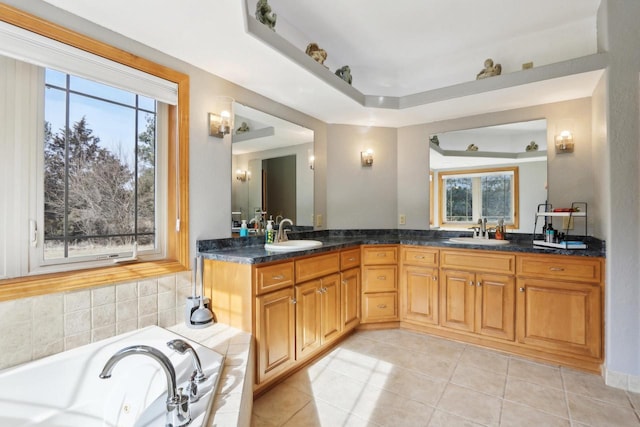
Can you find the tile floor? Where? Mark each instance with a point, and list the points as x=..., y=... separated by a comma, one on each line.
x=400, y=378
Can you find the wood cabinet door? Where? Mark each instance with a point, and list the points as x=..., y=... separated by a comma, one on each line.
x=457, y=300
x=495, y=306
x=275, y=333
x=419, y=290
x=560, y=316
x=331, y=318
x=350, y=294
x=308, y=336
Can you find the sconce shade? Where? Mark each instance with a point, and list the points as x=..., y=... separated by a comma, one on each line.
x=221, y=120
x=242, y=175
x=366, y=158
x=564, y=142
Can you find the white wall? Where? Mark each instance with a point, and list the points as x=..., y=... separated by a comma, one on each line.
x=358, y=196
x=621, y=36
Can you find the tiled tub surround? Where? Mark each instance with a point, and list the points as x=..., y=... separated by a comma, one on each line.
x=31, y=328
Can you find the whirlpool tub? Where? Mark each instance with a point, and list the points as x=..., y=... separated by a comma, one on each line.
x=65, y=389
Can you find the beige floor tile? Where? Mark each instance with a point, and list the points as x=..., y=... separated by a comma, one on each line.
x=433, y=365
x=279, y=404
x=516, y=415
x=545, y=399
x=443, y=419
x=481, y=380
x=321, y=414
x=601, y=414
x=593, y=386
x=413, y=385
x=485, y=359
x=342, y=391
x=390, y=409
x=358, y=366
x=257, y=421
x=635, y=400
x=471, y=405
x=537, y=373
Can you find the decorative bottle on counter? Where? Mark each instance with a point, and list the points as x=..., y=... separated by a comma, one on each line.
x=270, y=234
x=244, y=231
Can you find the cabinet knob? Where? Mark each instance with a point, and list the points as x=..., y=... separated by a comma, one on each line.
x=435, y=278
x=521, y=289
x=294, y=301
x=479, y=283
x=319, y=291
x=471, y=283
x=556, y=269
x=344, y=282
x=382, y=305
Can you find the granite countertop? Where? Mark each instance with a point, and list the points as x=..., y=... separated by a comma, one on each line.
x=251, y=250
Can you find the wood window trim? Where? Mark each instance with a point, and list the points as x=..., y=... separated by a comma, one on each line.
x=177, y=258
x=516, y=193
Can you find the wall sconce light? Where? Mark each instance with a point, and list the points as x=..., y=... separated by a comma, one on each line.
x=243, y=175
x=221, y=120
x=312, y=160
x=366, y=157
x=564, y=142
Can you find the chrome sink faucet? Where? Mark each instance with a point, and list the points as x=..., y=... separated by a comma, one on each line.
x=282, y=234
x=177, y=403
x=197, y=376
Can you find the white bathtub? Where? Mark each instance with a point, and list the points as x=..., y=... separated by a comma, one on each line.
x=65, y=390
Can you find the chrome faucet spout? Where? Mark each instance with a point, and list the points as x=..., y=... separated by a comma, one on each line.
x=177, y=403
x=183, y=347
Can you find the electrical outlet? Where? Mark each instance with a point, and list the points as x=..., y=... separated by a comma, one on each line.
x=402, y=219
x=319, y=220
x=567, y=223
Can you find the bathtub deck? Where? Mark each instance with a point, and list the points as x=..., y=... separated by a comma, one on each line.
x=234, y=398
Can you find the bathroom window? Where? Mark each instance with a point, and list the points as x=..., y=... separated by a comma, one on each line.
x=95, y=145
x=466, y=196
x=99, y=175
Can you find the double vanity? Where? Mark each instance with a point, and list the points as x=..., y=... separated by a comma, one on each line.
x=544, y=304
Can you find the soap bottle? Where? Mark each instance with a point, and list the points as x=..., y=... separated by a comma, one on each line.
x=270, y=234
x=244, y=231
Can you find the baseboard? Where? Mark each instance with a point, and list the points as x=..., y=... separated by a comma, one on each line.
x=622, y=381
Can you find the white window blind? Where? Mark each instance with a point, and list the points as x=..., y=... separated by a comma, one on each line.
x=35, y=49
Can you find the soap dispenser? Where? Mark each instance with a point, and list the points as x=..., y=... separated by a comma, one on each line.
x=270, y=234
x=244, y=231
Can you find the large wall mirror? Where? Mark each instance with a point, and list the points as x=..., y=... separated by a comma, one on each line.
x=272, y=164
x=495, y=172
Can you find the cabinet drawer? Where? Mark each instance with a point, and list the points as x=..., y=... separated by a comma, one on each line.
x=349, y=259
x=379, y=255
x=273, y=277
x=380, y=307
x=582, y=269
x=379, y=278
x=317, y=266
x=419, y=256
x=478, y=261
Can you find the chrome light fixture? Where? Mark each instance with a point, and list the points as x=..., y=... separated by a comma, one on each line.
x=221, y=120
x=366, y=158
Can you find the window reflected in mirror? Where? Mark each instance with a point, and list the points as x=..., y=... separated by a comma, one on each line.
x=495, y=172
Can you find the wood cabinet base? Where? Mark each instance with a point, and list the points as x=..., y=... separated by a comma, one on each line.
x=582, y=363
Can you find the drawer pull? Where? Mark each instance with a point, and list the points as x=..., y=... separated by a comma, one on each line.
x=278, y=277
x=419, y=257
x=556, y=269
x=521, y=289
x=382, y=305
x=382, y=277
x=382, y=254
x=351, y=259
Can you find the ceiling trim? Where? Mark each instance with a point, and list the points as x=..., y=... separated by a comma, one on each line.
x=571, y=67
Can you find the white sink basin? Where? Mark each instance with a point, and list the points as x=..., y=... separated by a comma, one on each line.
x=474, y=241
x=293, y=245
